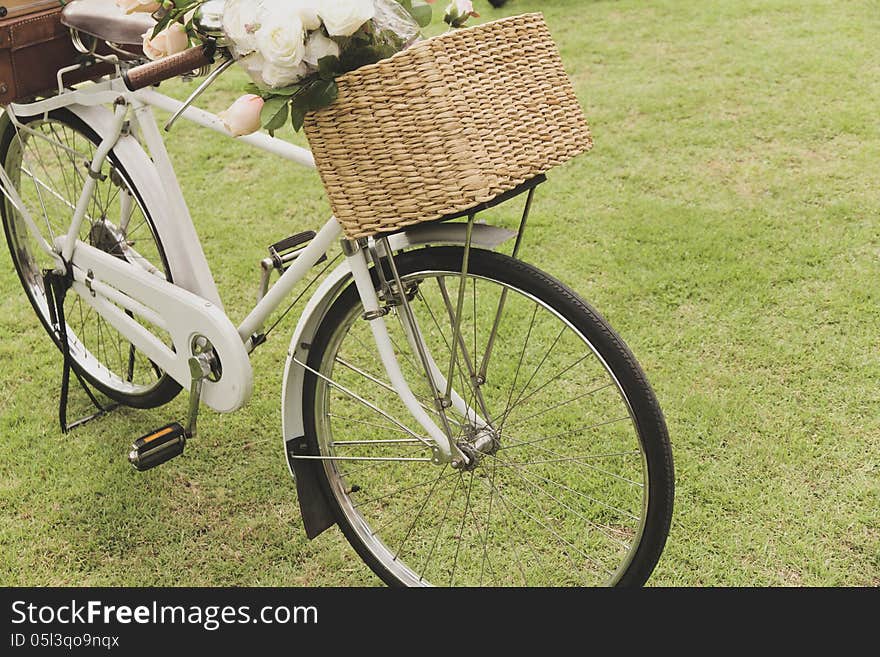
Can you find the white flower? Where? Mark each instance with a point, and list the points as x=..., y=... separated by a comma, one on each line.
x=283, y=76
x=243, y=116
x=345, y=17
x=307, y=10
x=241, y=20
x=132, y=6
x=281, y=42
x=171, y=40
x=266, y=75
x=461, y=6
x=254, y=64
x=319, y=46
x=281, y=37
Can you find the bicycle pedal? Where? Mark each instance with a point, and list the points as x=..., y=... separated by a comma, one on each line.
x=284, y=252
x=157, y=447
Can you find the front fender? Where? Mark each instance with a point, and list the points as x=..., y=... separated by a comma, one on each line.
x=316, y=512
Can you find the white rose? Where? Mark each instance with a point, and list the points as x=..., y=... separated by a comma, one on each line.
x=305, y=10
x=241, y=20
x=132, y=6
x=171, y=40
x=254, y=64
x=319, y=46
x=345, y=17
x=266, y=75
x=243, y=116
x=281, y=37
x=283, y=76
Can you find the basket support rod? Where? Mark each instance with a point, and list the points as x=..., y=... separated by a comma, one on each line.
x=462, y=286
x=484, y=365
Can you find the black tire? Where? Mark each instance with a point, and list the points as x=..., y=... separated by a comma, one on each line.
x=165, y=388
x=645, y=410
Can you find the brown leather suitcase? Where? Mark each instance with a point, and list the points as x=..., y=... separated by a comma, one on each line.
x=33, y=46
x=13, y=8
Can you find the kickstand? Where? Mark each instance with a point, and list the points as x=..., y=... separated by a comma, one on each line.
x=56, y=286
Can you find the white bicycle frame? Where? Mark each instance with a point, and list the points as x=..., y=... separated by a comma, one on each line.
x=191, y=308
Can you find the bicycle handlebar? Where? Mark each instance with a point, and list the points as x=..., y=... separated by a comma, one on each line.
x=155, y=72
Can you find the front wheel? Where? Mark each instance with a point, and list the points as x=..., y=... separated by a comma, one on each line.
x=571, y=485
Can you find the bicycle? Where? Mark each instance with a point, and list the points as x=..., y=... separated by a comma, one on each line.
x=464, y=417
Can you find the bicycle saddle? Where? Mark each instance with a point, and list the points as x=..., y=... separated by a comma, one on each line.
x=104, y=20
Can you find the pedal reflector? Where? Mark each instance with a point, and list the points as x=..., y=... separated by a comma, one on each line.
x=157, y=447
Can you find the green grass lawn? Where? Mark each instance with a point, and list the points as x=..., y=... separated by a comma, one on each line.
x=726, y=224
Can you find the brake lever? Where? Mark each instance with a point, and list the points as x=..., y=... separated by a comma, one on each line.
x=216, y=73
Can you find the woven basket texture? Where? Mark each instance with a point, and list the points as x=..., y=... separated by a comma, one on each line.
x=446, y=125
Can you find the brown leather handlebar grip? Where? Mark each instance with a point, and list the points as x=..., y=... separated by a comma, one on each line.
x=152, y=73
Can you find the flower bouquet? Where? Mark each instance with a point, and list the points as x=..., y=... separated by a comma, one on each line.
x=293, y=50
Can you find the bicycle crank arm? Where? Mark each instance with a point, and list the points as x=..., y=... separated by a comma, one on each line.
x=162, y=445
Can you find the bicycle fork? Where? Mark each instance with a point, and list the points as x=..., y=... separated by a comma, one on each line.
x=445, y=449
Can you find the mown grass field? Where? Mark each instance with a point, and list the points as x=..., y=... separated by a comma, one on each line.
x=726, y=224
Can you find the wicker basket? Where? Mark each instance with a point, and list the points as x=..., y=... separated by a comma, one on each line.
x=447, y=125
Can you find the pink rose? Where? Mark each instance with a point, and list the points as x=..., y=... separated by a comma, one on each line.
x=458, y=12
x=132, y=6
x=171, y=40
x=243, y=116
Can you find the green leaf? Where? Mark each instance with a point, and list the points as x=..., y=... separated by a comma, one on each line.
x=274, y=114
x=422, y=14
x=358, y=56
x=292, y=90
x=317, y=95
x=161, y=25
x=297, y=117
x=328, y=67
x=272, y=106
x=175, y=14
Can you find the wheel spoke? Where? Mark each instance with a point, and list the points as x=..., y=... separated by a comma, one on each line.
x=565, y=434
x=518, y=472
x=559, y=405
x=460, y=537
x=562, y=539
x=439, y=529
x=419, y=514
x=522, y=355
x=576, y=459
x=433, y=481
x=362, y=401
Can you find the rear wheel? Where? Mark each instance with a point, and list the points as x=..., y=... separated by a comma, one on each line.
x=46, y=162
x=573, y=481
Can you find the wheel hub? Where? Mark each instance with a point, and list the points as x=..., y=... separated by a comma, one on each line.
x=105, y=237
x=480, y=442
